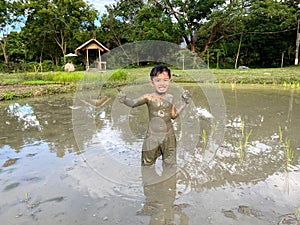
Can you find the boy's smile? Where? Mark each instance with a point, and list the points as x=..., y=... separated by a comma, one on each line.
x=161, y=83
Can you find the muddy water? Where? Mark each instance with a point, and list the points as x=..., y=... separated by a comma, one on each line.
x=74, y=163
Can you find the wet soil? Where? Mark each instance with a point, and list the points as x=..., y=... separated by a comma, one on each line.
x=52, y=182
x=23, y=91
x=19, y=88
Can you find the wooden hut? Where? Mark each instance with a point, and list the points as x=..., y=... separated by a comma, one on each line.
x=93, y=50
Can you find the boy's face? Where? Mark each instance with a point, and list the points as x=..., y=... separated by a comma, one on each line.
x=161, y=83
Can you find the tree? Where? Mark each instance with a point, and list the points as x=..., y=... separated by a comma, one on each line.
x=128, y=21
x=117, y=25
x=190, y=15
x=221, y=24
x=251, y=32
x=57, y=21
x=259, y=30
x=153, y=24
x=15, y=47
x=7, y=23
x=119, y=22
x=270, y=26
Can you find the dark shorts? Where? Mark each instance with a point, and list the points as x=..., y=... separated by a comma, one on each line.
x=155, y=146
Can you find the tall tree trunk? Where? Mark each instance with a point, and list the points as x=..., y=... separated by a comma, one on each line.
x=238, y=52
x=207, y=59
x=3, y=46
x=282, y=58
x=62, y=44
x=41, y=56
x=211, y=37
x=297, y=44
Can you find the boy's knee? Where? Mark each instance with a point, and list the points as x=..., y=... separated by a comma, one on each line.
x=170, y=160
x=148, y=159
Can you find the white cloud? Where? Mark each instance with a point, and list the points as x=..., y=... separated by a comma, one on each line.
x=99, y=4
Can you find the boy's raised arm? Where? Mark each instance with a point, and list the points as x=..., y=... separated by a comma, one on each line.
x=186, y=98
x=130, y=102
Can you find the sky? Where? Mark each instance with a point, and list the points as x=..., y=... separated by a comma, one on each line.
x=99, y=4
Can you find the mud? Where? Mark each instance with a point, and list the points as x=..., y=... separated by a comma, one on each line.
x=96, y=178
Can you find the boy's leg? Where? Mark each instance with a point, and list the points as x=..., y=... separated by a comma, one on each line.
x=149, y=157
x=169, y=150
x=150, y=151
x=159, y=195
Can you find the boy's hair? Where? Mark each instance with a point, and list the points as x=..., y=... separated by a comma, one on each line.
x=158, y=70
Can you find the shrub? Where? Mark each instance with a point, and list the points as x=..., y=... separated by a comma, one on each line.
x=120, y=75
x=48, y=65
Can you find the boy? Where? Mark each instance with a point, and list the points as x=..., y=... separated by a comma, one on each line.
x=160, y=138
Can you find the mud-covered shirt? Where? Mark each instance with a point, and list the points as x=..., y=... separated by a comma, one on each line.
x=161, y=112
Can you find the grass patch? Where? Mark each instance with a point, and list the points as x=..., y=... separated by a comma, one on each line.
x=275, y=76
x=120, y=75
x=10, y=95
x=66, y=77
x=38, y=82
x=289, y=76
x=10, y=81
x=58, y=77
x=286, y=77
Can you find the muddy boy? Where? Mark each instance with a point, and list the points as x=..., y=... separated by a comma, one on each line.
x=160, y=139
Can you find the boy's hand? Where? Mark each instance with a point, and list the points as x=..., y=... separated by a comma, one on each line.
x=186, y=96
x=121, y=96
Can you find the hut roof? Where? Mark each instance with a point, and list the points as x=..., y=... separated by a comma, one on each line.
x=92, y=44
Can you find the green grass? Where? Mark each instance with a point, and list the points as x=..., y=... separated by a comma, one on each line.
x=282, y=76
x=37, y=82
x=58, y=77
x=288, y=77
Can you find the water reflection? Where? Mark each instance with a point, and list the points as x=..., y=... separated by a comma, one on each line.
x=29, y=122
x=258, y=114
x=160, y=198
x=249, y=111
x=25, y=114
x=238, y=167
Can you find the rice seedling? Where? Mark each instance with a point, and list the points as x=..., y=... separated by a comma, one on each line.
x=233, y=86
x=290, y=218
x=243, y=127
x=241, y=151
x=214, y=128
x=280, y=133
x=284, y=84
x=204, y=139
x=247, y=139
x=297, y=214
x=27, y=199
x=243, y=142
x=288, y=153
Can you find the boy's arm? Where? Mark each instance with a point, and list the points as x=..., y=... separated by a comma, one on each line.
x=130, y=102
x=186, y=98
x=176, y=112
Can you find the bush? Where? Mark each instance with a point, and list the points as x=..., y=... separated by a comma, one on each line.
x=48, y=65
x=120, y=75
x=32, y=66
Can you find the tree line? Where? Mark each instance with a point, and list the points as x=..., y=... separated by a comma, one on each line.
x=36, y=34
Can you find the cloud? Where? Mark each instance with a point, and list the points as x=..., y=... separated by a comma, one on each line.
x=100, y=4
